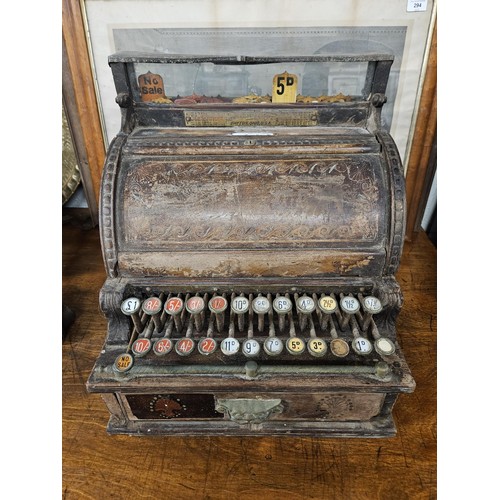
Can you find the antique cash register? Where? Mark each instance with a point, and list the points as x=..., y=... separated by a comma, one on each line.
x=252, y=220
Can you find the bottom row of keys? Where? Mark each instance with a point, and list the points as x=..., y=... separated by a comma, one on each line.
x=250, y=347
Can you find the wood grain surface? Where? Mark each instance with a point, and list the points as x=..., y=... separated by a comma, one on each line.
x=98, y=466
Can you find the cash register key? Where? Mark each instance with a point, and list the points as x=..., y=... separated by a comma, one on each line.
x=273, y=346
x=131, y=307
x=295, y=345
x=123, y=363
x=230, y=346
x=151, y=306
x=305, y=304
x=339, y=348
x=217, y=304
x=282, y=305
x=384, y=346
x=195, y=305
x=261, y=305
x=372, y=305
x=207, y=345
x=162, y=346
x=327, y=304
x=173, y=306
x=349, y=305
x=317, y=347
x=250, y=348
x=184, y=346
x=362, y=346
x=141, y=347
x=240, y=305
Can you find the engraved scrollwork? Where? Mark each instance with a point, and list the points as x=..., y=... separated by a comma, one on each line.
x=107, y=223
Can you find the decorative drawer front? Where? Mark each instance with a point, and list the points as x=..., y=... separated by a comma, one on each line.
x=254, y=409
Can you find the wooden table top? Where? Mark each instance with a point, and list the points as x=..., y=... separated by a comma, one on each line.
x=98, y=466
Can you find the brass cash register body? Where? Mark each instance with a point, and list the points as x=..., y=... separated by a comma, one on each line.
x=250, y=247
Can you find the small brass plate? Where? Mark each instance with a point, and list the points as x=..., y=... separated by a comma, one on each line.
x=251, y=117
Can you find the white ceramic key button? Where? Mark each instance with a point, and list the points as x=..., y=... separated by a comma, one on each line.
x=349, y=305
x=240, y=305
x=250, y=348
x=384, y=346
x=273, y=346
x=305, y=304
x=230, y=346
x=282, y=305
x=362, y=346
x=317, y=347
x=372, y=305
x=260, y=305
x=295, y=345
x=131, y=306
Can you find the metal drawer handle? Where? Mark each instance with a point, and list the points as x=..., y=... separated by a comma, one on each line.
x=248, y=411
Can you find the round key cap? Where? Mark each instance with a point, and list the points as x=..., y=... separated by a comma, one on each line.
x=229, y=346
x=295, y=345
x=184, y=346
x=349, y=305
x=372, y=305
x=217, y=304
x=240, y=305
x=282, y=305
x=173, y=306
x=305, y=304
x=141, y=347
x=162, y=347
x=384, y=346
x=151, y=306
x=362, y=346
x=339, y=348
x=131, y=306
x=123, y=363
x=317, y=347
x=260, y=305
x=195, y=305
x=327, y=304
x=250, y=348
x=207, y=345
x=273, y=346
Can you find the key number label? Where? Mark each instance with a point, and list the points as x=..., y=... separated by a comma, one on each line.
x=294, y=345
x=362, y=346
x=240, y=305
x=152, y=305
x=230, y=346
x=173, y=306
x=141, y=347
x=207, y=345
x=260, y=305
x=285, y=88
x=130, y=305
x=282, y=305
x=372, y=305
x=317, y=347
x=327, y=304
x=162, y=347
x=184, y=346
x=273, y=346
x=250, y=348
x=349, y=305
x=195, y=305
x=305, y=305
x=123, y=362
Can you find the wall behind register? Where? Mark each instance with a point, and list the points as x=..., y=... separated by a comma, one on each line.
x=294, y=27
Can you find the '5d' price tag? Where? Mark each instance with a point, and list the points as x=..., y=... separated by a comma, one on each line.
x=285, y=88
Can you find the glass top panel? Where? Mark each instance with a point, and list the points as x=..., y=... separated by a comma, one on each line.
x=284, y=82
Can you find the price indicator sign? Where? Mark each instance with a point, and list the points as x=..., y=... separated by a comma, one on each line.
x=285, y=88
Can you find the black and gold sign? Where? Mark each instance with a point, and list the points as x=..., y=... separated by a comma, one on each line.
x=285, y=88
